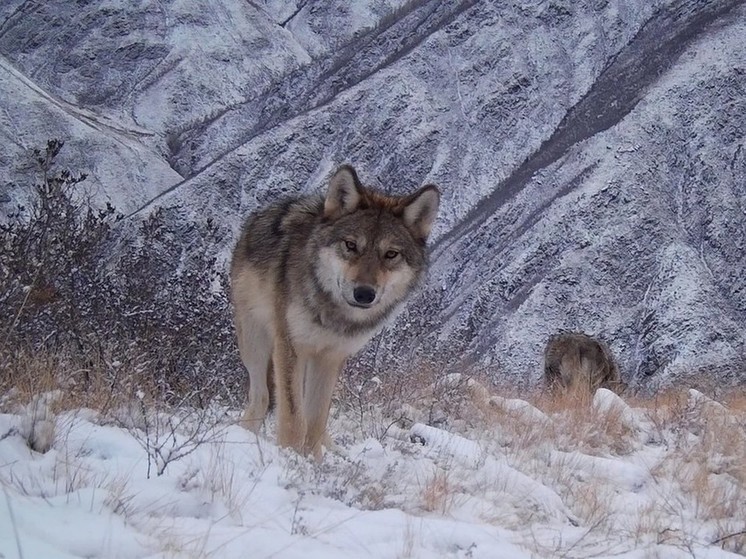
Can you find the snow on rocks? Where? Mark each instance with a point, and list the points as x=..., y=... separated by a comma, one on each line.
x=700, y=405
x=521, y=408
x=444, y=444
x=607, y=402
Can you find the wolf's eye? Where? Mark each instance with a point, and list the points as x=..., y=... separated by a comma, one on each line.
x=391, y=254
x=351, y=246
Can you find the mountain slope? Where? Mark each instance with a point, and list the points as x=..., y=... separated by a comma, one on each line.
x=590, y=154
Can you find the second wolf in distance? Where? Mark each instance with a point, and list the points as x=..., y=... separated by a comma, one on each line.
x=575, y=361
x=313, y=278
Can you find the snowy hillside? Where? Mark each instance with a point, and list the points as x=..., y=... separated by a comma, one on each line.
x=507, y=481
x=590, y=153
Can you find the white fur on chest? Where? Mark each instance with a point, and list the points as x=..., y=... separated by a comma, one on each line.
x=304, y=331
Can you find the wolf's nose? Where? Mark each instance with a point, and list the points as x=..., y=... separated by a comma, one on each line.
x=364, y=294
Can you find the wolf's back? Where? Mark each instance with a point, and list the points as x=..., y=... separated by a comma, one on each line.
x=269, y=234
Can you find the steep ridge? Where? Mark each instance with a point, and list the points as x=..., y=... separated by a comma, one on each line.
x=613, y=95
x=122, y=169
x=312, y=86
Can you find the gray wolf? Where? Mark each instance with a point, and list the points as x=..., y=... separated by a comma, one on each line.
x=313, y=279
x=577, y=361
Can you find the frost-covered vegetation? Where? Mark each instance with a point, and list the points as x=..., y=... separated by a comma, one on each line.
x=74, y=287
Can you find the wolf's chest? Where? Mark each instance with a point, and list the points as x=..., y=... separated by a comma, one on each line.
x=309, y=331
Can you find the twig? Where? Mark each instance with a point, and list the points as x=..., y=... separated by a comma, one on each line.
x=20, y=310
x=402, y=416
x=733, y=535
x=147, y=431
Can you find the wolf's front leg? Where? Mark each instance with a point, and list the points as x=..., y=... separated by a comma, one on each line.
x=288, y=369
x=321, y=377
x=255, y=345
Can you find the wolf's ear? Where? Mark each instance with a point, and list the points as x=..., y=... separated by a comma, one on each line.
x=343, y=195
x=421, y=209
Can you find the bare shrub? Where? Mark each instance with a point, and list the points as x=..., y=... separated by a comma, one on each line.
x=49, y=257
x=170, y=432
x=66, y=305
x=425, y=395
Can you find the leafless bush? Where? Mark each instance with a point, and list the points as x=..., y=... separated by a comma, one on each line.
x=426, y=394
x=168, y=434
x=73, y=283
x=49, y=257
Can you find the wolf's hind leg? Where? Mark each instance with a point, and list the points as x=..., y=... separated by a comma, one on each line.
x=255, y=345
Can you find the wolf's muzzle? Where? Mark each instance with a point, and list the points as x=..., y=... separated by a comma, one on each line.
x=364, y=295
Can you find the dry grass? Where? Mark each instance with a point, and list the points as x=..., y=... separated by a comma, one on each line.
x=41, y=385
x=167, y=424
x=408, y=542
x=704, y=432
x=439, y=494
x=119, y=499
x=425, y=395
x=97, y=382
x=565, y=420
x=705, y=468
x=223, y=483
x=68, y=474
x=698, y=481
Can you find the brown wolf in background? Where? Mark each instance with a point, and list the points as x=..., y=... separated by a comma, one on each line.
x=313, y=279
x=578, y=361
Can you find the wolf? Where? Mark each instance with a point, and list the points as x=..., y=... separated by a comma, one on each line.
x=313, y=278
x=574, y=360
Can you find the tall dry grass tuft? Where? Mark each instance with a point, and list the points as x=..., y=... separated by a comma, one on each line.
x=693, y=445
x=439, y=493
x=701, y=478
x=26, y=375
x=39, y=385
x=98, y=382
x=703, y=431
x=169, y=424
x=578, y=422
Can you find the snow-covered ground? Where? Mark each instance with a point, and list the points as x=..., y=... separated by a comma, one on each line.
x=660, y=478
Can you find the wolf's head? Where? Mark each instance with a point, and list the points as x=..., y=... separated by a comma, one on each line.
x=372, y=246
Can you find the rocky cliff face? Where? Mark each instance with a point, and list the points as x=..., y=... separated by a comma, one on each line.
x=590, y=153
